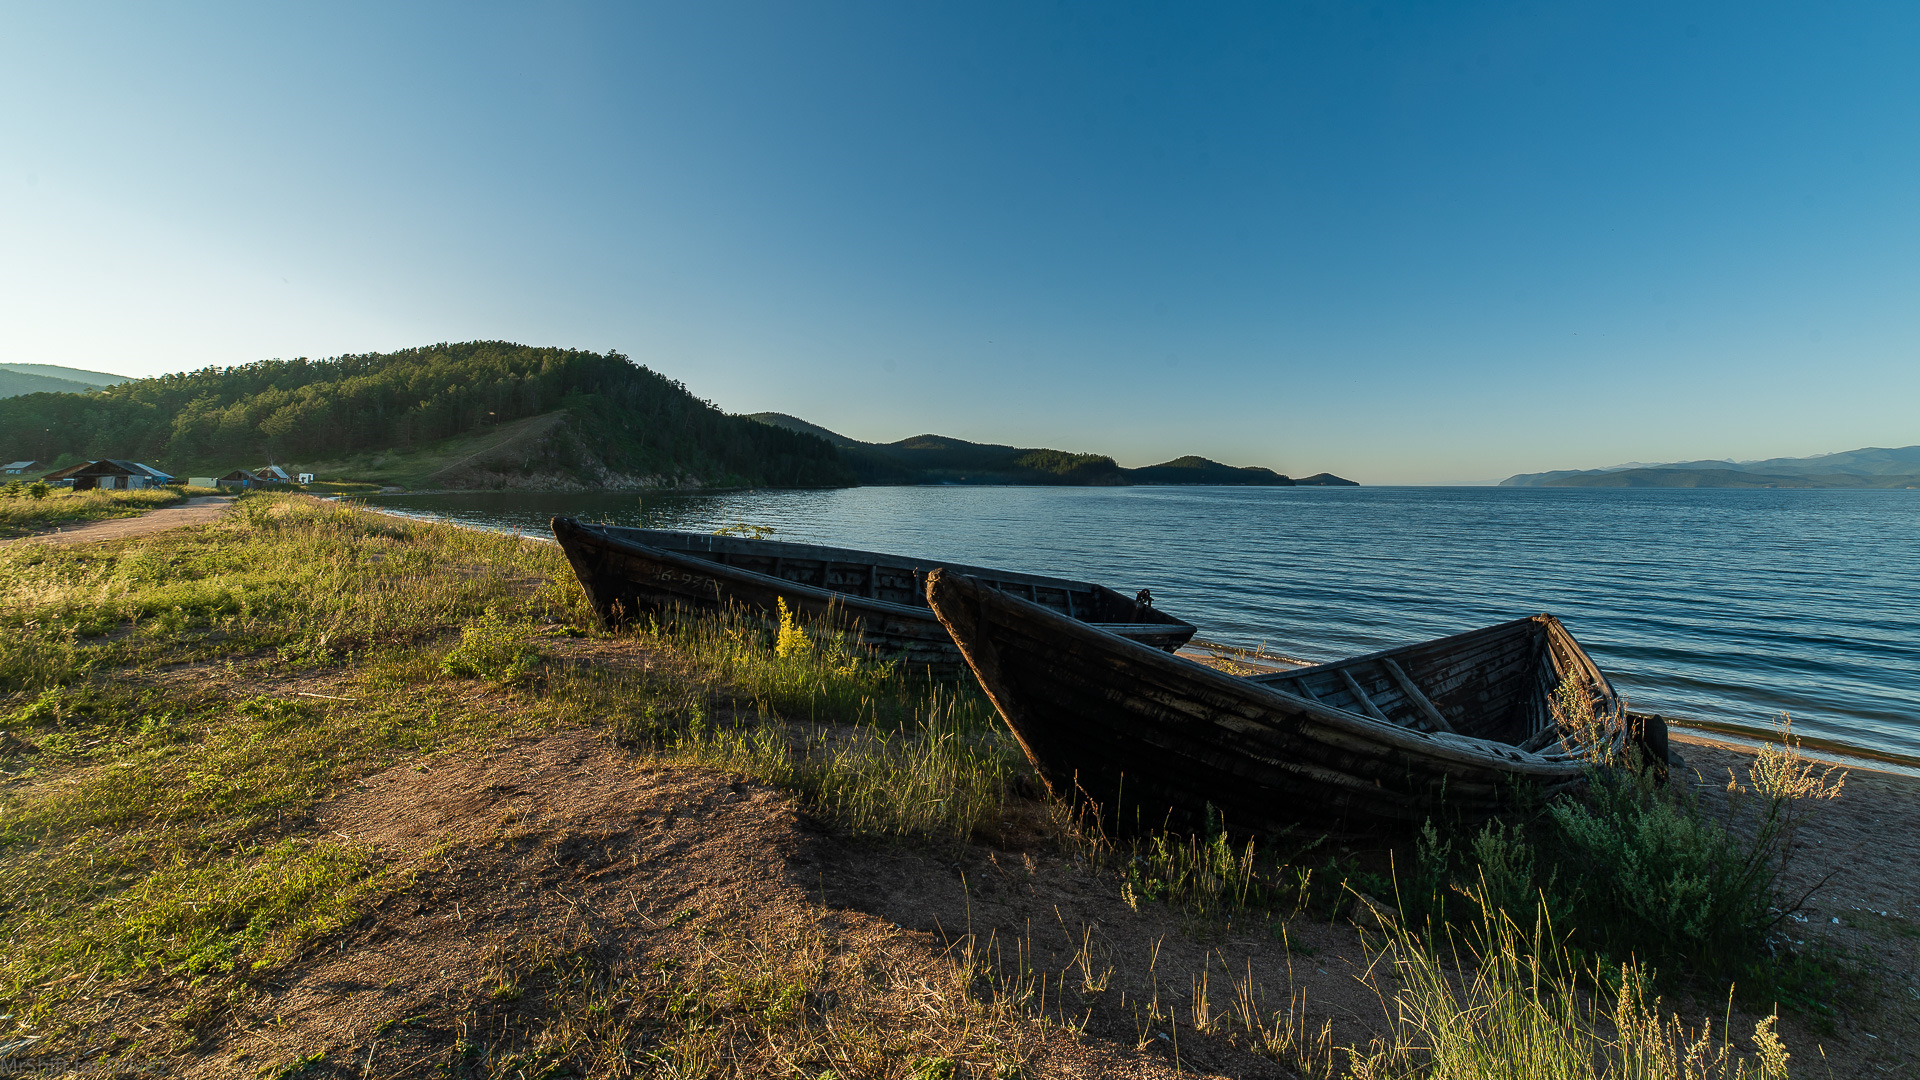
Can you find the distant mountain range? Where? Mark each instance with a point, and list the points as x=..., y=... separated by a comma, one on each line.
x=939, y=459
x=1870, y=467
x=18, y=379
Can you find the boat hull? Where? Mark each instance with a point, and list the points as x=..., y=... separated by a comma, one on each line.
x=880, y=598
x=1155, y=740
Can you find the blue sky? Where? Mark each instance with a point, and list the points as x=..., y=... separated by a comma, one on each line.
x=1408, y=243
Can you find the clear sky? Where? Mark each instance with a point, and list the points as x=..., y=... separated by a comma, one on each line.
x=1403, y=242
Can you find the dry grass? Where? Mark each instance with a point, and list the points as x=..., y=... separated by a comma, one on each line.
x=177, y=709
x=1512, y=1003
x=21, y=512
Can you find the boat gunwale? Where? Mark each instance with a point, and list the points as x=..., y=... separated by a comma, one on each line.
x=1554, y=628
x=1164, y=623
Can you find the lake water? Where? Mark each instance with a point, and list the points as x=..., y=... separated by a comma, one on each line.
x=1731, y=606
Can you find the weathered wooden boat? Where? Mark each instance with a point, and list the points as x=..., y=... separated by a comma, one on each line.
x=1442, y=728
x=881, y=598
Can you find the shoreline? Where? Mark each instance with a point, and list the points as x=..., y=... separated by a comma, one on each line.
x=1827, y=751
x=464, y=826
x=1735, y=736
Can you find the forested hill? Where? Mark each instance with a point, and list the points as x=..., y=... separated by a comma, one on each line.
x=475, y=414
x=940, y=459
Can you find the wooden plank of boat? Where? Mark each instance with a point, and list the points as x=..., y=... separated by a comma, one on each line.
x=1155, y=739
x=880, y=598
x=1502, y=675
x=1412, y=690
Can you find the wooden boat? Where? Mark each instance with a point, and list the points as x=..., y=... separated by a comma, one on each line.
x=882, y=598
x=1441, y=728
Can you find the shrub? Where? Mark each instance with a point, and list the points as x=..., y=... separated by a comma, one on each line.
x=496, y=648
x=1637, y=868
x=1653, y=876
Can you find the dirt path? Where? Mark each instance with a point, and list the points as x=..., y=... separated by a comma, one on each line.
x=558, y=892
x=196, y=511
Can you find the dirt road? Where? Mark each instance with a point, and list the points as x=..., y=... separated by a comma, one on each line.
x=197, y=511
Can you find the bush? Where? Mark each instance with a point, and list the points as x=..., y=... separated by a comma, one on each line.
x=496, y=648
x=1637, y=868
x=1652, y=876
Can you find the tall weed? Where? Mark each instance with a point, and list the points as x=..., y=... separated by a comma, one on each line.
x=942, y=778
x=1507, y=1003
x=806, y=669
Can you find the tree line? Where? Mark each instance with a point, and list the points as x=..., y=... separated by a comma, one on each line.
x=317, y=410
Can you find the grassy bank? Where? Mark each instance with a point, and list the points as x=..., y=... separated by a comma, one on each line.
x=175, y=707
x=175, y=710
x=22, y=511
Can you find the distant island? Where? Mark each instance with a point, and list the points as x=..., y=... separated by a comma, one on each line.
x=492, y=415
x=1869, y=467
x=941, y=459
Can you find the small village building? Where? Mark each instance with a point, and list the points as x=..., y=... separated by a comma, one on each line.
x=64, y=477
x=18, y=468
x=273, y=474
x=118, y=474
x=240, y=478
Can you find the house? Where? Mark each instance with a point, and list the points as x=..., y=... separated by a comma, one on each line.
x=274, y=474
x=116, y=474
x=18, y=468
x=239, y=478
x=64, y=477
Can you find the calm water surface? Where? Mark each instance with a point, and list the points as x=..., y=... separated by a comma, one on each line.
x=1725, y=605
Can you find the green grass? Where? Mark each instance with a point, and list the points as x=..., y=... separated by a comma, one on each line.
x=810, y=670
x=942, y=779
x=150, y=783
x=1685, y=884
x=1507, y=1001
x=21, y=513
x=140, y=825
x=144, y=807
